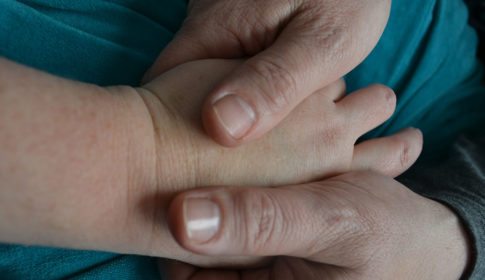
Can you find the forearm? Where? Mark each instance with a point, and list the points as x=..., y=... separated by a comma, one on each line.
x=70, y=155
x=95, y=168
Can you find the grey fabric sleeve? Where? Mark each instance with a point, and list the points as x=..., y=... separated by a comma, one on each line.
x=459, y=182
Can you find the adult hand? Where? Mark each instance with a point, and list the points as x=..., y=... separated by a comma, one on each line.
x=297, y=47
x=355, y=226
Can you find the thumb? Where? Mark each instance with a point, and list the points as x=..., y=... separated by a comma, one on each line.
x=266, y=88
x=309, y=221
x=238, y=221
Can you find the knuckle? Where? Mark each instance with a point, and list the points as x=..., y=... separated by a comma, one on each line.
x=326, y=26
x=341, y=144
x=336, y=132
x=333, y=136
x=351, y=213
x=359, y=226
x=276, y=83
x=261, y=220
x=353, y=227
x=352, y=219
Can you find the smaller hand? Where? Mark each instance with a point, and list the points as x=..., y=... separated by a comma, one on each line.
x=316, y=141
x=355, y=226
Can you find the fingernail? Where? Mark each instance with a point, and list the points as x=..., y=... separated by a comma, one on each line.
x=202, y=219
x=236, y=115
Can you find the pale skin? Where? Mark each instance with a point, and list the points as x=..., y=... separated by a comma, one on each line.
x=357, y=226
x=95, y=168
x=296, y=47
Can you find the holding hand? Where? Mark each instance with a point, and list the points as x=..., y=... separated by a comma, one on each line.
x=296, y=47
x=354, y=226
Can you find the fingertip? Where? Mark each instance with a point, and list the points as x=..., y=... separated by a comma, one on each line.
x=391, y=155
x=214, y=129
x=386, y=94
x=408, y=144
x=228, y=119
x=411, y=134
x=368, y=108
x=414, y=138
x=385, y=90
x=419, y=134
x=252, y=100
x=195, y=221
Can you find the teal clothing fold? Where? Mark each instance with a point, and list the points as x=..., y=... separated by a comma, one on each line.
x=102, y=42
x=427, y=54
x=35, y=263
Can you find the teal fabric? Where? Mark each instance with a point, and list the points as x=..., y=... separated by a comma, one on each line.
x=426, y=54
x=35, y=263
x=102, y=42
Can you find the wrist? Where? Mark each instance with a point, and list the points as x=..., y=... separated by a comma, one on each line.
x=453, y=249
x=172, y=157
x=462, y=250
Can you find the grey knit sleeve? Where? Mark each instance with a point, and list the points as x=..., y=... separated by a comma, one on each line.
x=459, y=182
